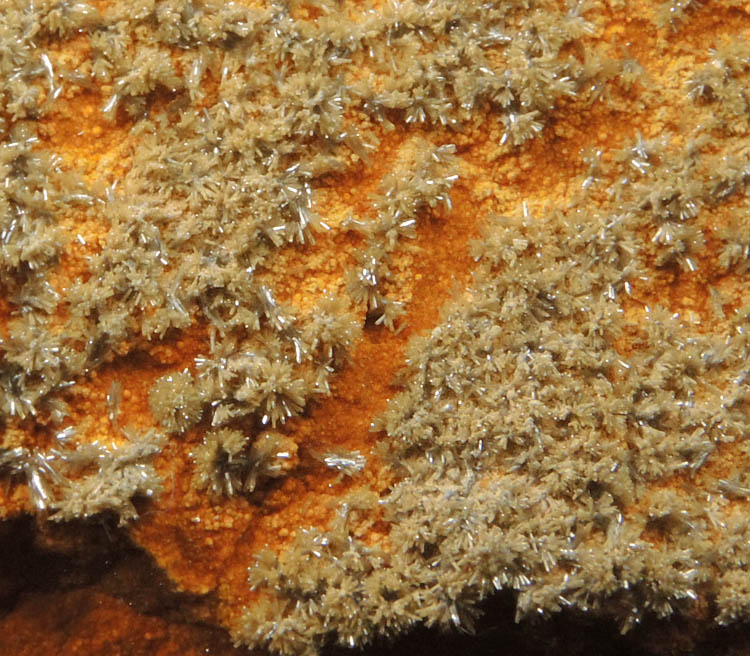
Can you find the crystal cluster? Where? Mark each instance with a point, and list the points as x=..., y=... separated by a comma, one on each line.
x=561, y=428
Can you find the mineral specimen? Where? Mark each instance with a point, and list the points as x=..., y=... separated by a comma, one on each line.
x=351, y=313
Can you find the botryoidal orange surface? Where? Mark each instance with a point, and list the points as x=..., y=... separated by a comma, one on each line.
x=204, y=544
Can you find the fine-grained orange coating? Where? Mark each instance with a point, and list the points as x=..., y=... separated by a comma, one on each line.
x=205, y=548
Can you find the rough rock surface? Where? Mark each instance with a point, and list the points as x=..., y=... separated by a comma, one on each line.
x=323, y=322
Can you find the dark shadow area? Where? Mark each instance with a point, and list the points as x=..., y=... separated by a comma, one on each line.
x=564, y=634
x=44, y=559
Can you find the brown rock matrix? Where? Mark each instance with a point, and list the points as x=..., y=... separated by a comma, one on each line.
x=350, y=314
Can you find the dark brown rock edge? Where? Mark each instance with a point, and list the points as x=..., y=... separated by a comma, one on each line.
x=49, y=575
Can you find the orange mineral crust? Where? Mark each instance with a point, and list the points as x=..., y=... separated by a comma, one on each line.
x=346, y=315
